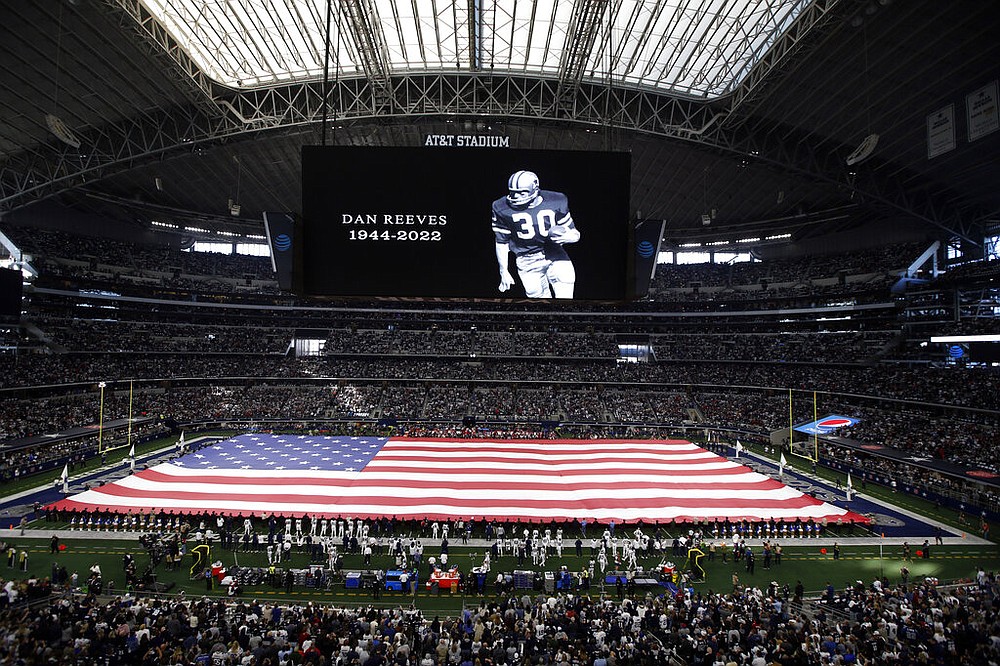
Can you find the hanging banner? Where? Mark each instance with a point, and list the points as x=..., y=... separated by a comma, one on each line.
x=280, y=230
x=941, y=131
x=647, y=237
x=982, y=112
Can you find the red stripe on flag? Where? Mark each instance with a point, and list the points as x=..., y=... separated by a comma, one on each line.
x=448, y=456
x=566, y=472
x=362, y=481
x=460, y=503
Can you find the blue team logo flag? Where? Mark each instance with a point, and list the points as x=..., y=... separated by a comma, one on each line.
x=826, y=425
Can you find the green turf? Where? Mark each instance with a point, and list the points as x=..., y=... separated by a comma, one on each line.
x=815, y=569
x=800, y=562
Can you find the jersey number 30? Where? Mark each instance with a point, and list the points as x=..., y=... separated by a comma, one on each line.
x=536, y=223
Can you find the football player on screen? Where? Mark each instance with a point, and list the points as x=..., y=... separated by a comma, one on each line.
x=535, y=224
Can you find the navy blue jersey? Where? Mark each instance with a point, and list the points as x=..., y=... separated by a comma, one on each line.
x=529, y=229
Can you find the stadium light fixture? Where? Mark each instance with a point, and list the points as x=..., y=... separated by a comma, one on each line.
x=965, y=338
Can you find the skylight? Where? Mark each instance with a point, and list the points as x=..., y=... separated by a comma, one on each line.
x=700, y=48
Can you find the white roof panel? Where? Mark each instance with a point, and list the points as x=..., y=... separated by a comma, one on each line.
x=701, y=48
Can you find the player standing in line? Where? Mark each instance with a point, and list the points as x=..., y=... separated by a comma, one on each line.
x=535, y=224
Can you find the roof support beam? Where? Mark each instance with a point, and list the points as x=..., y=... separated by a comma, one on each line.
x=816, y=22
x=584, y=27
x=475, y=37
x=48, y=169
x=368, y=39
x=152, y=37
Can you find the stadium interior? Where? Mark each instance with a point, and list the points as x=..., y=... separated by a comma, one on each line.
x=821, y=177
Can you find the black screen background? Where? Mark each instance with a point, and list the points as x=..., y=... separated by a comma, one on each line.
x=10, y=292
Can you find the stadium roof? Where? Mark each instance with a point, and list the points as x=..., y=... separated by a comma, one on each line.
x=749, y=109
x=701, y=48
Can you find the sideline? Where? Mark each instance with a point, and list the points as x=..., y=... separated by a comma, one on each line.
x=46, y=493
x=957, y=537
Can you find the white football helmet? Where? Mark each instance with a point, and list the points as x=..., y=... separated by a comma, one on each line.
x=523, y=186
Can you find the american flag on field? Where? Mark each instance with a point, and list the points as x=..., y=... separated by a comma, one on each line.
x=621, y=480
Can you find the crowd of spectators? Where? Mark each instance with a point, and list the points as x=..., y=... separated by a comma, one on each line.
x=9, y=336
x=80, y=335
x=878, y=261
x=754, y=411
x=24, y=418
x=872, y=290
x=260, y=401
x=966, y=326
x=61, y=272
x=445, y=402
x=15, y=464
x=164, y=337
x=339, y=319
x=944, y=437
x=508, y=403
x=632, y=406
x=354, y=400
x=919, y=348
x=916, y=480
x=629, y=394
x=967, y=388
x=826, y=347
x=146, y=266
x=110, y=255
x=402, y=401
x=973, y=272
x=134, y=267
x=879, y=623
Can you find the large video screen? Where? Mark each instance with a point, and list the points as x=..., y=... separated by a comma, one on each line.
x=464, y=223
